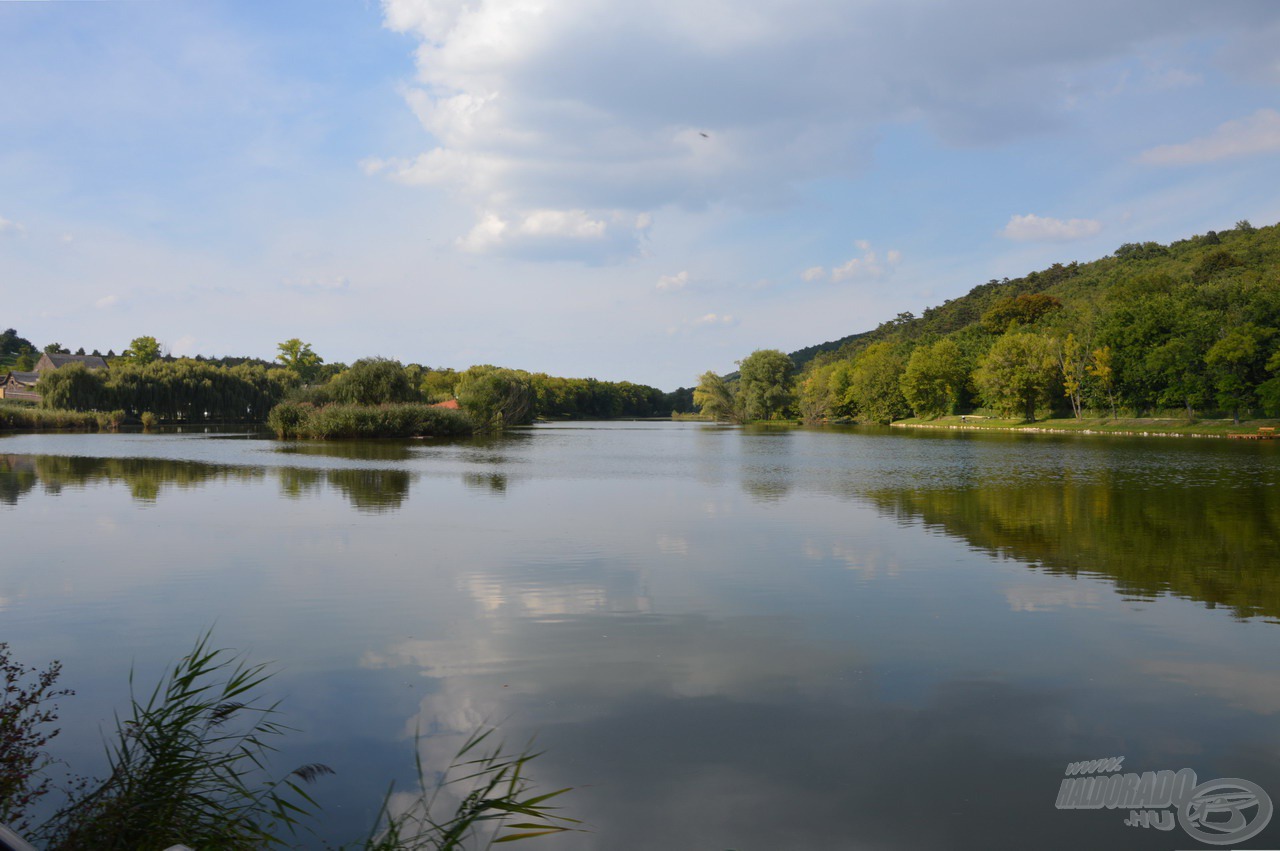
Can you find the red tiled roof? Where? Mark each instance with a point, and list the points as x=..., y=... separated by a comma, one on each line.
x=451, y=404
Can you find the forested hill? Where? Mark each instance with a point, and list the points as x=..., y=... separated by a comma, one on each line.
x=1224, y=267
x=1191, y=328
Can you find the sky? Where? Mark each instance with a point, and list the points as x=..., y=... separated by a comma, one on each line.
x=626, y=191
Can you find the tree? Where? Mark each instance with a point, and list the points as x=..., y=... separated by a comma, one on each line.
x=299, y=357
x=1100, y=367
x=25, y=361
x=717, y=398
x=496, y=398
x=1234, y=360
x=1073, y=362
x=56, y=349
x=934, y=378
x=73, y=388
x=1269, y=390
x=373, y=381
x=764, y=383
x=1025, y=309
x=143, y=350
x=11, y=343
x=1018, y=374
x=875, y=385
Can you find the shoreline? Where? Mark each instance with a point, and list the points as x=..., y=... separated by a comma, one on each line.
x=1120, y=426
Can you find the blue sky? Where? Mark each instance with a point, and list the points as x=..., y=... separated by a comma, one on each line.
x=625, y=191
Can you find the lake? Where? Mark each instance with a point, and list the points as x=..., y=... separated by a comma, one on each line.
x=723, y=638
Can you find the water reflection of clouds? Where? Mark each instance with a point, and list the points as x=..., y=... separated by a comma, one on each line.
x=1047, y=598
x=864, y=560
x=740, y=734
x=1245, y=688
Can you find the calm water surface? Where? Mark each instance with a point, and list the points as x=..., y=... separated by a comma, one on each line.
x=724, y=638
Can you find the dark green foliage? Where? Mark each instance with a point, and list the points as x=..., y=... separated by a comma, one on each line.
x=373, y=381
x=1023, y=309
x=496, y=398
x=302, y=420
x=1018, y=373
x=934, y=378
x=1189, y=326
x=73, y=388
x=182, y=390
x=12, y=344
x=764, y=384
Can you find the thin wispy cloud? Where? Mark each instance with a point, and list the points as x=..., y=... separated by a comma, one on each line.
x=1033, y=228
x=1257, y=134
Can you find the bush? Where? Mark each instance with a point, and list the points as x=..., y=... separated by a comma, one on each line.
x=302, y=420
x=149, y=420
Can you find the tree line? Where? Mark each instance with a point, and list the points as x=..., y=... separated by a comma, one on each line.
x=1191, y=327
x=144, y=380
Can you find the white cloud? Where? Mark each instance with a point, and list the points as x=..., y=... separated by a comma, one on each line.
x=10, y=228
x=1257, y=134
x=868, y=265
x=684, y=104
x=714, y=319
x=550, y=233
x=107, y=301
x=486, y=234
x=1033, y=228
x=673, y=282
x=573, y=224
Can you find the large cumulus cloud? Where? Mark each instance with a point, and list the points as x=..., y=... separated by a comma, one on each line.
x=602, y=110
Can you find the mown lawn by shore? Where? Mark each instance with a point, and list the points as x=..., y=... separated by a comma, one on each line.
x=1140, y=426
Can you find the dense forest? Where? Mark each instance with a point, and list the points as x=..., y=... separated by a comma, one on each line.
x=1190, y=329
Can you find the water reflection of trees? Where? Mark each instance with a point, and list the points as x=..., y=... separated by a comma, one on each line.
x=368, y=490
x=372, y=491
x=491, y=482
x=1216, y=543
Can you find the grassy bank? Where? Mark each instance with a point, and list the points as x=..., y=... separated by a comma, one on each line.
x=1134, y=426
x=304, y=420
x=19, y=417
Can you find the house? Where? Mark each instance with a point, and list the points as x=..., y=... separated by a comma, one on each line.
x=20, y=385
x=50, y=362
x=451, y=404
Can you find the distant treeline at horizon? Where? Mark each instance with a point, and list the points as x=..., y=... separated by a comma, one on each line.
x=245, y=389
x=1192, y=327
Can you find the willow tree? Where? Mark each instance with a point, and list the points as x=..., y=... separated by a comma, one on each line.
x=496, y=398
x=717, y=397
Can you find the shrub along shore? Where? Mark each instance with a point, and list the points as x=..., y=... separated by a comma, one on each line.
x=291, y=420
x=1125, y=426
